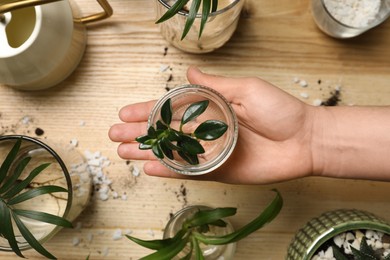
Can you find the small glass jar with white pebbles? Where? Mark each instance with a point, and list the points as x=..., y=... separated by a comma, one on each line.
x=192, y=130
x=349, y=18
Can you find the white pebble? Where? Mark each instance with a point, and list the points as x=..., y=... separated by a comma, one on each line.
x=74, y=142
x=103, y=196
x=303, y=83
x=304, y=95
x=136, y=171
x=339, y=240
x=296, y=80
x=124, y=197
x=317, y=102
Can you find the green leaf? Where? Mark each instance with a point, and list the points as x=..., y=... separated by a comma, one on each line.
x=265, y=217
x=205, y=15
x=142, y=138
x=170, y=145
x=7, y=228
x=190, y=145
x=9, y=159
x=144, y=146
x=166, y=112
x=152, y=132
x=22, y=185
x=191, y=17
x=30, y=238
x=18, y=171
x=35, y=192
x=215, y=6
x=168, y=252
x=190, y=158
x=198, y=251
x=166, y=150
x=158, y=244
x=338, y=254
x=366, y=252
x=173, y=10
x=157, y=151
x=44, y=217
x=210, y=130
x=203, y=217
x=160, y=125
x=194, y=110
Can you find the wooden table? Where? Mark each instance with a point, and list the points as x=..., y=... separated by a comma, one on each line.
x=276, y=40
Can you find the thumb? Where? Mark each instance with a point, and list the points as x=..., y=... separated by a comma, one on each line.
x=228, y=87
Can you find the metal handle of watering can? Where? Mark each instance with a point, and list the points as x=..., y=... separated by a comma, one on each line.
x=107, y=9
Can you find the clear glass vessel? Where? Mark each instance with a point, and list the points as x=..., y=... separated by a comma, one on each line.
x=218, y=29
x=217, y=151
x=210, y=252
x=67, y=169
x=350, y=22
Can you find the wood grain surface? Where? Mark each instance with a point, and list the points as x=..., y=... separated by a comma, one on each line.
x=275, y=40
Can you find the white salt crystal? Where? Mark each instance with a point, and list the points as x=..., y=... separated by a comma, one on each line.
x=103, y=196
x=117, y=234
x=124, y=196
x=164, y=68
x=136, y=171
x=296, y=80
x=115, y=195
x=303, y=83
x=74, y=142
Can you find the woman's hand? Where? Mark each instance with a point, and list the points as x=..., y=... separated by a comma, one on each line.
x=275, y=133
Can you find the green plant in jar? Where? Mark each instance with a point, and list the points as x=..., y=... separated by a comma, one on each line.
x=163, y=139
x=13, y=192
x=208, y=7
x=194, y=230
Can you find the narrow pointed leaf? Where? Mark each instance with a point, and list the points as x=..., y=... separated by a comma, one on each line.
x=265, y=217
x=22, y=185
x=205, y=15
x=18, y=171
x=172, y=11
x=191, y=17
x=190, y=158
x=190, y=145
x=198, y=251
x=337, y=254
x=194, y=110
x=44, y=217
x=203, y=217
x=9, y=159
x=7, y=229
x=34, y=193
x=30, y=238
x=166, y=112
x=210, y=130
x=152, y=132
x=170, y=145
x=168, y=252
x=157, y=244
x=214, y=6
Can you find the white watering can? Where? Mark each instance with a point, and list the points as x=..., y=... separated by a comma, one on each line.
x=42, y=41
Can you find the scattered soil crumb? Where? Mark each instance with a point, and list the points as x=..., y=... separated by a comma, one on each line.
x=39, y=131
x=333, y=100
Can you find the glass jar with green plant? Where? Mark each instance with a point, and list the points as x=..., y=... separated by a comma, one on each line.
x=38, y=196
x=198, y=26
x=192, y=130
x=205, y=230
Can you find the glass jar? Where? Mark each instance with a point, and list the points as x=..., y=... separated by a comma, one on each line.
x=210, y=252
x=216, y=151
x=67, y=169
x=219, y=27
x=339, y=20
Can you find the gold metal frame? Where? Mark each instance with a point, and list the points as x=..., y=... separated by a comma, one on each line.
x=107, y=9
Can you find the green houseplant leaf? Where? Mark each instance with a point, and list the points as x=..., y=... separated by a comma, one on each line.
x=164, y=140
x=194, y=226
x=14, y=191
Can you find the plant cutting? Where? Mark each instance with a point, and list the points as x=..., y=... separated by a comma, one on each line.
x=163, y=139
x=342, y=234
x=198, y=26
x=17, y=189
x=194, y=232
x=192, y=130
x=208, y=6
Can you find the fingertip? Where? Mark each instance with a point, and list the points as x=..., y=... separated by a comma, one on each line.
x=155, y=168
